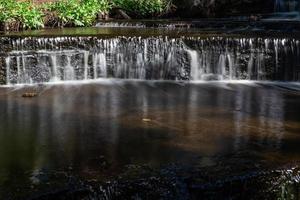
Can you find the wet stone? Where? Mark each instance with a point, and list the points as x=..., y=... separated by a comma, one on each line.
x=29, y=95
x=2, y=71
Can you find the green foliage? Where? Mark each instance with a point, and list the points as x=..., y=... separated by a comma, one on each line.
x=28, y=15
x=143, y=8
x=78, y=12
x=6, y=10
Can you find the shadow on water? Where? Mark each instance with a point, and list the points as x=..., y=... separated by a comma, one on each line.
x=166, y=140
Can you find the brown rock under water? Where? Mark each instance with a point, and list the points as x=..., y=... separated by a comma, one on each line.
x=29, y=94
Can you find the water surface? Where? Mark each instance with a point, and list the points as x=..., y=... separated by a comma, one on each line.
x=242, y=126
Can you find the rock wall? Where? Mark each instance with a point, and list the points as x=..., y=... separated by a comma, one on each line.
x=222, y=8
x=2, y=71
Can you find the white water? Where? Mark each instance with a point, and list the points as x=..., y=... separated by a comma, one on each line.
x=100, y=65
x=69, y=72
x=287, y=6
x=86, y=65
x=287, y=9
x=222, y=66
x=7, y=63
x=55, y=76
x=197, y=59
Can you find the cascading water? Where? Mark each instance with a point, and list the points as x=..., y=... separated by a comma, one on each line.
x=287, y=5
x=287, y=8
x=40, y=60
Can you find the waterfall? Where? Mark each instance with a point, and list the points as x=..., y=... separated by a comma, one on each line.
x=102, y=65
x=69, y=72
x=19, y=70
x=279, y=5
x=99, y=65
x=55, y=76
x=40, y=60
x=231, y=67
x=222, y=66
x=85, y=60
x=201, y=66
x=287, y=6
x=7, y=63
x=140, y=63
x=26, y=77
x=287, y=9
x=196, y=70
x=250, y=66
x=95, y=63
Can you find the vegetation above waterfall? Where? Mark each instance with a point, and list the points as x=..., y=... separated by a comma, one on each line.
x=15, y=15
x=26, y=15
x=144, y=8
x=21, y=14
x=74, y=12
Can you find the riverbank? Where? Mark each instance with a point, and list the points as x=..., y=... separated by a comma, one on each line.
x=18, y=16
x=21, y=15
x=174, y=27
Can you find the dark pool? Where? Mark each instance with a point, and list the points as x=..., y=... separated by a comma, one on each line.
x=94, y=131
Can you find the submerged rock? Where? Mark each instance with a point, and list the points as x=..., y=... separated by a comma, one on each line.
x=146, y=120
x=29, y=94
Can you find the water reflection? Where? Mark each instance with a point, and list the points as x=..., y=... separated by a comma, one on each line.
x=77, y=126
